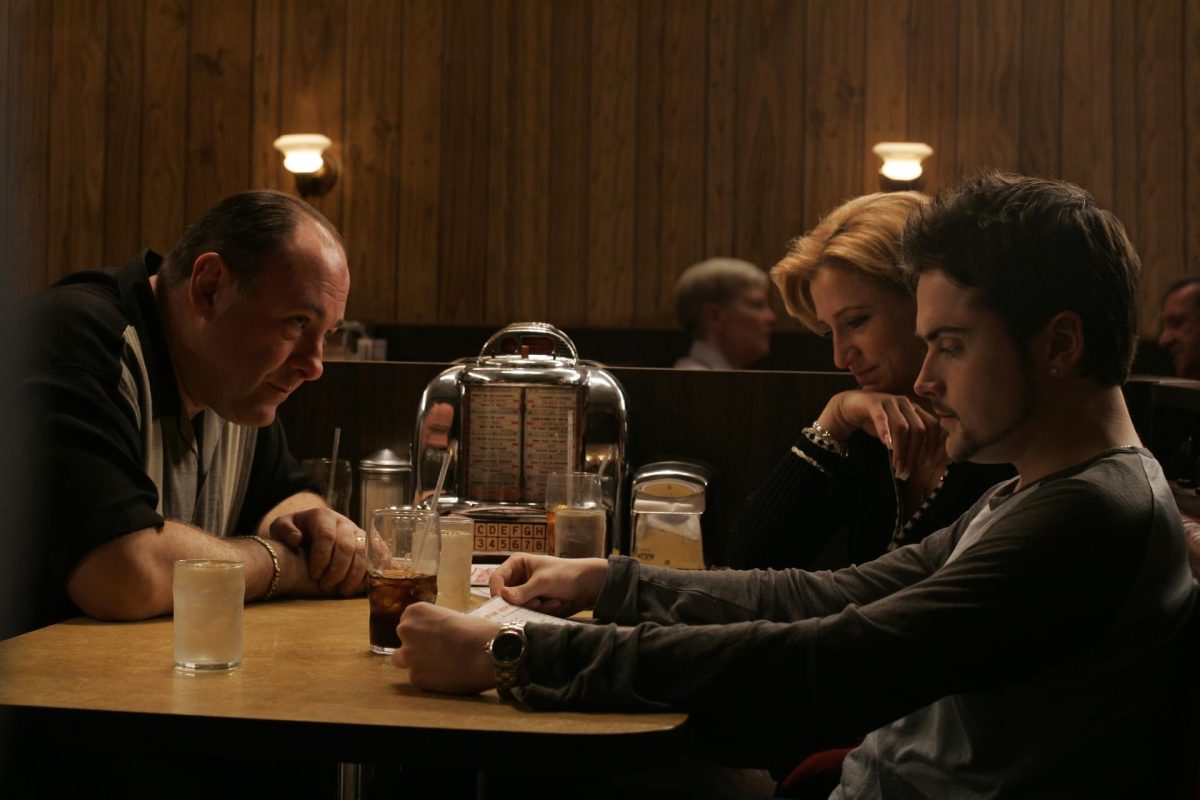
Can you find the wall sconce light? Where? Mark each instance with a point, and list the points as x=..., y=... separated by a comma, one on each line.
x=304, y=156
x=901, y=168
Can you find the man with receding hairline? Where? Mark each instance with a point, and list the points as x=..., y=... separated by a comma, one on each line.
x=1180, y=335
x=154, y=390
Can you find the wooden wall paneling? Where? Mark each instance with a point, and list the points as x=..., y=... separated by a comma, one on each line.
x=1160, y=150
x=1087, y=107
x=11, y=275
x=989, y=91
x=613, y=158
x=1191, y=56
x=770, y=134
x=76, y=190
x=464, y=174
x=218, y=102
x=720, y=158
x=685, y=58
x=888, y=43
x=1041, y=81
x=570, y=117
x=834, y=144
x=313, y=82
x=1125, y=132
x=933, y=88
x=531, y=206
x=650, y=147
x=502, y=277
x=369, y=155
x=266, y=163
x=164, y=123
x=416, y=261
x=122, y=190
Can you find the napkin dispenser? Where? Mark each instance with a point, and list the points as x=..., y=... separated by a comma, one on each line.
x=527, y=406
x=669, y=499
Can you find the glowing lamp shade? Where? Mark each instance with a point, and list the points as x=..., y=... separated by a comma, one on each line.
x=304, y=156
x=302, y=151
x=901, y=164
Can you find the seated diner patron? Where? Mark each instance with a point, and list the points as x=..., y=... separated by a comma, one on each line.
x=723, y=304
x=154, y=388
x=1180, y=326
x=1031, y=649
x=840, y=495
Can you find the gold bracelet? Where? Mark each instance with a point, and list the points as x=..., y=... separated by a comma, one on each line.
x=274, y=567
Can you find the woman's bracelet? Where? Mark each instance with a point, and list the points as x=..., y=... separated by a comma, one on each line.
x=823, y=439
x=274, y=567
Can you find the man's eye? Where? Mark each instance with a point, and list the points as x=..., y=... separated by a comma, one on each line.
x=298, y=322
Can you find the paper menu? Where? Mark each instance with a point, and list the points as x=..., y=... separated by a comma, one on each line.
x=499, y=610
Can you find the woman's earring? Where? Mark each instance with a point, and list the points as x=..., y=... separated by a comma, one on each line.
x=1054, y=372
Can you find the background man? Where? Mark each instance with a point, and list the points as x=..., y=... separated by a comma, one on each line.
x=1031, y=649
x=723, y=303
x=1181, y=326
x=153, y=392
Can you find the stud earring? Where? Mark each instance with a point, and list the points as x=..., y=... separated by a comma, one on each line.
x=1054, y=372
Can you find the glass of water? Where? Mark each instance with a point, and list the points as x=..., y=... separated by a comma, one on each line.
x=576, y=521
x=209, y=597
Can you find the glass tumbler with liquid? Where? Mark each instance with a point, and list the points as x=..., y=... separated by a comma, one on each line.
x=576, y=521
x=209, y=597
x=403, y=550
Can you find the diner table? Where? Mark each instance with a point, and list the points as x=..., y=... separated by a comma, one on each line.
x=308, y=684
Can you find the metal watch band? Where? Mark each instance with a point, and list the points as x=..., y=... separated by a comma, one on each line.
x=507, y=669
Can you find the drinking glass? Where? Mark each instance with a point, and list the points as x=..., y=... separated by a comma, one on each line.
x=576, y=521
x=318, y=470
x=403, y=550
x=209, y=596
x=454, y=571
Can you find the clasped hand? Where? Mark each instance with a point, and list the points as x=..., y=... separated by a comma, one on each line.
x=909, y=431
x=336, y=551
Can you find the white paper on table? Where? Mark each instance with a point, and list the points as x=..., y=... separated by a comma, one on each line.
x=499, y=610
x=482, y=573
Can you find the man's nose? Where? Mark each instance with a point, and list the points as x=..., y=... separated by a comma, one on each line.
x=926, y=384
x=308, y=359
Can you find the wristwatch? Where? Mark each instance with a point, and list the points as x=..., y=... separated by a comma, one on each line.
x=508, y=648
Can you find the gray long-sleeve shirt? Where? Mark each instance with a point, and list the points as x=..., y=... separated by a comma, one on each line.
x=1027, y=650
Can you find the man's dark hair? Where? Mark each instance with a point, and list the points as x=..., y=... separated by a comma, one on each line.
x=1033, y=248
x=245, y=228
x=1181, y=283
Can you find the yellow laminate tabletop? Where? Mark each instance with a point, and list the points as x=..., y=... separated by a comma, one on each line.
x=307, y=676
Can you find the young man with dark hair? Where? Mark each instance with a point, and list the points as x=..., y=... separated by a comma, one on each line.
x=153, y=392
x=1028, y=650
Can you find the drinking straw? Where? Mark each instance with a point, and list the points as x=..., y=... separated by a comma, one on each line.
x=433, y=526
x=570, y=454
x=337, y=440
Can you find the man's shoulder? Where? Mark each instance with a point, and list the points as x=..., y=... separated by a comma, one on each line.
x=79, y=321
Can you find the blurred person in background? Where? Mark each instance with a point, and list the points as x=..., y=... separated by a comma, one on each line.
x=723, y=304
x=1180, y=335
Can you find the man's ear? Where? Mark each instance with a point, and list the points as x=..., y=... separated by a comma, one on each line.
x=209, y=278
x=1064, y=342
x=711, y=315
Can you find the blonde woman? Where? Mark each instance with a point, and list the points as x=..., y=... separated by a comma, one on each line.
x=870, y=473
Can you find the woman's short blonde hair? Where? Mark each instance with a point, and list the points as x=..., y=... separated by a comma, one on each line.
x=861, y=235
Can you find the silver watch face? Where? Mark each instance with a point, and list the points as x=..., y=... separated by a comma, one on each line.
x=508, y=647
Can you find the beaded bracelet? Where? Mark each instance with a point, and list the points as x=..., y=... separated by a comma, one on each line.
x=823, y=439
x=274, y=567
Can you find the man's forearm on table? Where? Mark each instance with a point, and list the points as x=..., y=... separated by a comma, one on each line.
x=131, y=577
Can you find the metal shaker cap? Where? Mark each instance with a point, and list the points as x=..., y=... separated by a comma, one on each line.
x=383, y=462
